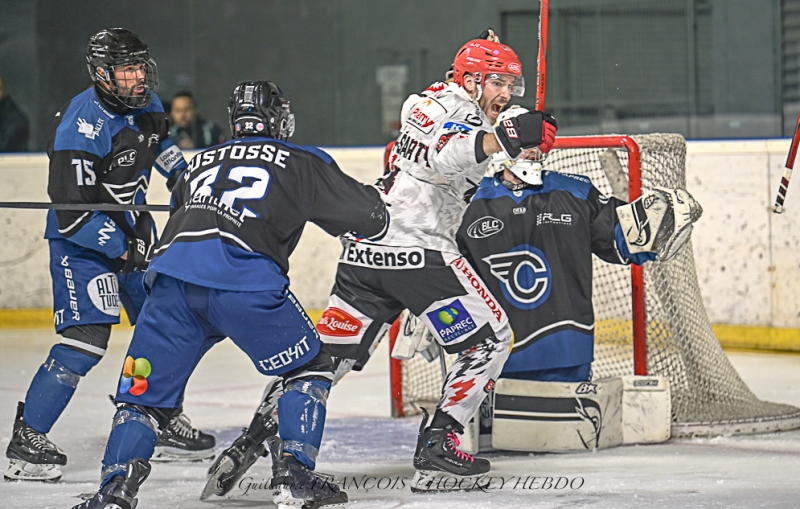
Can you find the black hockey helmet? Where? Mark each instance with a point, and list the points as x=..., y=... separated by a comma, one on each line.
x=114, y=47
x=259, y=108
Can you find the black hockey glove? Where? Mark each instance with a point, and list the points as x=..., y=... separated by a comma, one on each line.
x=528, y=130
x=139, y=254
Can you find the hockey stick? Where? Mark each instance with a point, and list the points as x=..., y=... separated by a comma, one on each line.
x=541, y=59
x=787, y=171
x=107, y=207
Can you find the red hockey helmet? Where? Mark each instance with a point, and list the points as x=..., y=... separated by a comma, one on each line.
x=482, y=58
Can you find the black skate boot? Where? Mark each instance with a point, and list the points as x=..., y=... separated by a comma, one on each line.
x=120, y=492
x=294, y=485
x=32, y=457
x=437, y=453
x=181, y=442
x=234, y=461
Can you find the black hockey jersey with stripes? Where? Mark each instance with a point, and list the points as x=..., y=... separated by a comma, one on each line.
x=239, y=209
x=533, y=248
x=99, y=156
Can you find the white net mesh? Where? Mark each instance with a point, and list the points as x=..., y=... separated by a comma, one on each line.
x=708, y=396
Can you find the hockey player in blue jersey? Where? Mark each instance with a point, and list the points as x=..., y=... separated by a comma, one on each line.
x=220, y=271
x=103, y=145
x=531, y=234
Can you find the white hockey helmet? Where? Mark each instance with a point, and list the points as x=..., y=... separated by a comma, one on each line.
x=528, y=171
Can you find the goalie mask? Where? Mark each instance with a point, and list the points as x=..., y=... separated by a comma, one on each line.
x=528, y=171
x=259, y=108
x=121, y=60
x=660, y=221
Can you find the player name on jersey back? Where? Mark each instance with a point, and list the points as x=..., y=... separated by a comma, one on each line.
x=266, y=152
x=382, y=257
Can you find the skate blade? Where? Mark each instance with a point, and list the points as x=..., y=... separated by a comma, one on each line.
x=212, y=486
x=19, y=470
x=173, y=454
x=283, y=498
x=435, y=481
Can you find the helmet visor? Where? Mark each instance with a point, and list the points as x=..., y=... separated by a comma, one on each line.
x=515, y=84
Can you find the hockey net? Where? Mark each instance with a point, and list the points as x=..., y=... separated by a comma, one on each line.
x=648, y=320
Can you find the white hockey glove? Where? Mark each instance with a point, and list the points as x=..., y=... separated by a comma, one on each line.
x=414, y=337
x=659, y=221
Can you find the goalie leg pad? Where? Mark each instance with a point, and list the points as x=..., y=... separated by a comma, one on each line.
x=556, y=416
x=646, y=409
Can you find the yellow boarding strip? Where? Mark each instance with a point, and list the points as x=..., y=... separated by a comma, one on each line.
x=730, y=336
x=43, y=318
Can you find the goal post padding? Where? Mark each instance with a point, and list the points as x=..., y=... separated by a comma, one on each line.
x=648, y=320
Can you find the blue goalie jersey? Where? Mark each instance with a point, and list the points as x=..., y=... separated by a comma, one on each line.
x=533, y=248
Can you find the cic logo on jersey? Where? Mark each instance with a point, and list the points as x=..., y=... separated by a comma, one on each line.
x=525, y=276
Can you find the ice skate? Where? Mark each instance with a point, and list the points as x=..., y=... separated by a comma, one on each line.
x=120, y=492
x=440, y=465
x=240, y=456
x=295, y=486
x=181, y=442
x=32, y=457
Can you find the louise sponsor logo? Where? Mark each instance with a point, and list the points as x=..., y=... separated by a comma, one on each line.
x=337, y=322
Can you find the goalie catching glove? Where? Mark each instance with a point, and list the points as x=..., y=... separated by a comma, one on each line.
x=660, y=221
x=518, y=129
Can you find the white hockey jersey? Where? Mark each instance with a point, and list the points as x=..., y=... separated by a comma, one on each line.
x=433, y=164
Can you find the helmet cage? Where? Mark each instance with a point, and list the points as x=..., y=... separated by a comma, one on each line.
x=117, y=47
x=259, y=108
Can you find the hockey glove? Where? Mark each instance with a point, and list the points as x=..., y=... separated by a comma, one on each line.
x=526, y=130
x=139, y=254
x=660, y=221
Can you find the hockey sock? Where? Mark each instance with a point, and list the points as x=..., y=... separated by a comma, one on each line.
x=132, y=435
x=301, y=418
x=54, y=385
x=441, y=420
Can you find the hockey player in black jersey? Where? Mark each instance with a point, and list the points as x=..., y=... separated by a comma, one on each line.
x=102, y=148
x=220, y=271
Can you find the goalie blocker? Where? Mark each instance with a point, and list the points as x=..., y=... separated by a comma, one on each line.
x=570, y=417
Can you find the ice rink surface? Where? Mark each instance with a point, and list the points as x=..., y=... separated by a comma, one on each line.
x=367, y=447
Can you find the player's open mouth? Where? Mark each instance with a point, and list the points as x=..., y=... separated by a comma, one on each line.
x=496, y=109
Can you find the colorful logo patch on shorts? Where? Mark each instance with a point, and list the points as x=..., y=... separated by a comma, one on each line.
x=452, y=321
x=134, y=376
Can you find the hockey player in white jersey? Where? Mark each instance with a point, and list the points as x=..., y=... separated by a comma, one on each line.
x=442, y=150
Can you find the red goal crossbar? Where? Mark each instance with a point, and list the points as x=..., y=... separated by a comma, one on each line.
x=637, y=272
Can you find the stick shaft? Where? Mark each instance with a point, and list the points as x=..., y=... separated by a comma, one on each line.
x=787, y=171
x=108, y=207
x=541, y=60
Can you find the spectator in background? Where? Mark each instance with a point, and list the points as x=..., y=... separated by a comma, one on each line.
x=189, y=130
x=14, y=129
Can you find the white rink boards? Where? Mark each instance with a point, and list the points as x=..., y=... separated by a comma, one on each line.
x=361, y=441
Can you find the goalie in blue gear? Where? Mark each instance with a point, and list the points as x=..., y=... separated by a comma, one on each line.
x=220, y=271
x=105, y=142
